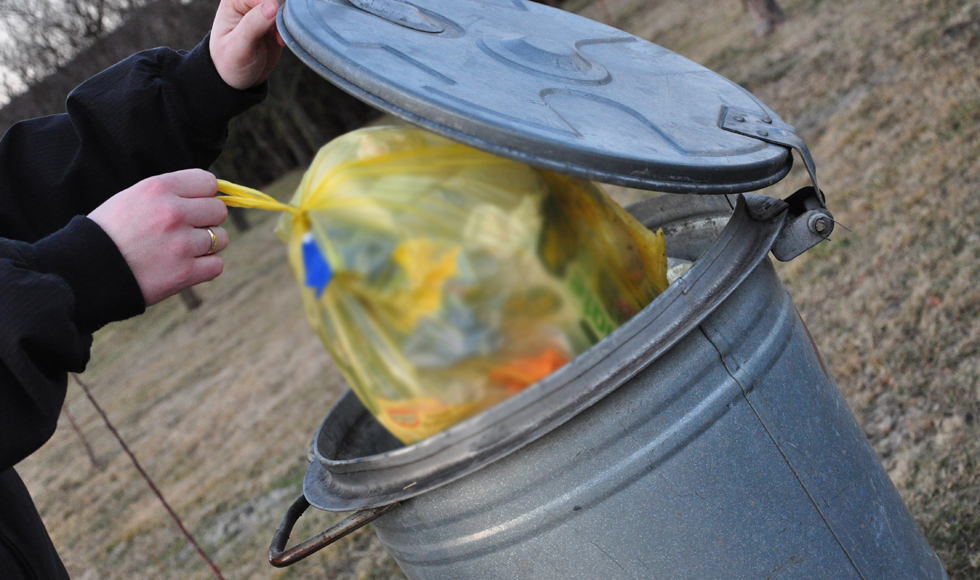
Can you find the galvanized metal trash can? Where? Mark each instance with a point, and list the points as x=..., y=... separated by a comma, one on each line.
x=702, y=439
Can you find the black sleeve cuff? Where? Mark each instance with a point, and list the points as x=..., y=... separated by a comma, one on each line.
x=88, y=260
x=208, y=101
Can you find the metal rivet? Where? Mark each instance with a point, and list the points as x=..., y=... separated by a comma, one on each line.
x=820, y=225
x=767, y=121
x=763, y=133
x=739, y=118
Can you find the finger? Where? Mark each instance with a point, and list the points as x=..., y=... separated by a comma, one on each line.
x=204, y=211
x=191, y=183
x=206, y=268
x=243, y=7
x=202, y=241
x=257, y=23
x=273, y=52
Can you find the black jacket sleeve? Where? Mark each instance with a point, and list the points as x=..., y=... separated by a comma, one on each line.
x=61, y=276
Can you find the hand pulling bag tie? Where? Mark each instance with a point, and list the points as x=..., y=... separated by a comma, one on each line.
x=443, y=279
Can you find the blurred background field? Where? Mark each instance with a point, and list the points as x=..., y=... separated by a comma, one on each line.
x=220, y=403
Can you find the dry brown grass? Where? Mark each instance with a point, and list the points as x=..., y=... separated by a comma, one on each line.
x=219, y=404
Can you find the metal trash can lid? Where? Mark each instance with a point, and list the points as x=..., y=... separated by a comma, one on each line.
x=542, y=86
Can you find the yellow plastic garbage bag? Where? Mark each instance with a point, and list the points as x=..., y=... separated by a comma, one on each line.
x=443, y=279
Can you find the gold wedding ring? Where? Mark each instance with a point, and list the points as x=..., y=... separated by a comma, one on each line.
x=214, y=242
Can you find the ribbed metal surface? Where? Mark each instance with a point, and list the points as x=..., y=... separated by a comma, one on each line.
x=540, y=85
x=732, y=456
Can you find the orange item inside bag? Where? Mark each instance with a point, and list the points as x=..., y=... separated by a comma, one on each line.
x=521, y=373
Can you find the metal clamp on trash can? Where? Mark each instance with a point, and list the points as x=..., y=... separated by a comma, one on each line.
x=809, y=221
x=807, y=224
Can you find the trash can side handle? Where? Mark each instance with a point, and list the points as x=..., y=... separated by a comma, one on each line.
x=280, y=557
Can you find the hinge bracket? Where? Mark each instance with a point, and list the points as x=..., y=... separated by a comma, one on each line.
x=809, y=221
x=764, y=128
x=807, y=224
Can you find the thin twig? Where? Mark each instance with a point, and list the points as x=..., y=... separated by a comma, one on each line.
x=81, y=436
x=173, y=514
x=606, y=14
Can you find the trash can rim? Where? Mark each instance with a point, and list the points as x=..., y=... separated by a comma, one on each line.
x=379, y=479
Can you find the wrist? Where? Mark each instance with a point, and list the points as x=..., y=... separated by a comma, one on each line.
x=210, y=102
x=85, y=256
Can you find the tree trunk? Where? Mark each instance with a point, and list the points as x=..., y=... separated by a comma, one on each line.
x=191, y=300
x=255, y=132
x=283, y=124
x=239, y=219
x=606, y=14
x=307, y=126
x=765, y=15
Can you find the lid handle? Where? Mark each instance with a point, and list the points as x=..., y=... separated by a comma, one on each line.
x=400, y=13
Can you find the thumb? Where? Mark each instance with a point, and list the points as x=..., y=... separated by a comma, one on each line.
x=258, y=22
x=190, y=183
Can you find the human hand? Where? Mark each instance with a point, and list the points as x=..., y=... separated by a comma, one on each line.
x=160, y=226
x=245, y=44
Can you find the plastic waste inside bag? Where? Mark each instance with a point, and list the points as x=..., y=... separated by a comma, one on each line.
x=677, y=267
x=443, y=279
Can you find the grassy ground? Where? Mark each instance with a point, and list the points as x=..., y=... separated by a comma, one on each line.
x=220, y=403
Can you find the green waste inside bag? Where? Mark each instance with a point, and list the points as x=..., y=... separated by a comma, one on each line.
x=443, y=279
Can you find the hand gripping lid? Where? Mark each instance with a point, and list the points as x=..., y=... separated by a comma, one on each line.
x=542, y=86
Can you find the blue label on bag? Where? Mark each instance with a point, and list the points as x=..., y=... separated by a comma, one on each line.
x=318, y=271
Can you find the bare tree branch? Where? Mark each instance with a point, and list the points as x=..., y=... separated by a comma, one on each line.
x=39, y=36
x=766, y=15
